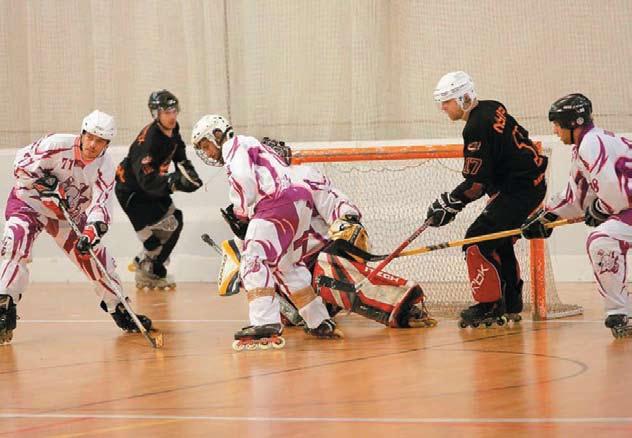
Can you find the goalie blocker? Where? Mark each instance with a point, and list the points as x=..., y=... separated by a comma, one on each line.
x=387, y=299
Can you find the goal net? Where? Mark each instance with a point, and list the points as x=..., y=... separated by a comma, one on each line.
x=393, y=187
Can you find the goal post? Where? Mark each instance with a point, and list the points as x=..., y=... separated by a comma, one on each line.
x=393, y=186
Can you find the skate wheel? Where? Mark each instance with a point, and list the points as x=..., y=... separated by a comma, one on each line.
x=488, y=324
x=475, y=324
x=462, y=324
x=501, y=321
x=131, y=267
x=238, y=346
x=251, y=346
x=278, y=342
x=265, y=344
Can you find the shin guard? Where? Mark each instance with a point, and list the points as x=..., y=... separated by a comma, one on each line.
x=484, y=276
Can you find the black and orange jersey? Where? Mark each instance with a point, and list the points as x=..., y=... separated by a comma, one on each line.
x=145, y=167
x=498, y=154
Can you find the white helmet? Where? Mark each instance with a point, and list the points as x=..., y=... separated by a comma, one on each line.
x=205, y=128
x=100, y=124
x=455, y=85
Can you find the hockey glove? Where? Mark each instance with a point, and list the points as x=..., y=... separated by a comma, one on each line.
x=533, y=227
x=279, y=147
x=595, y=214
x=52, y=194
x=443, y=210
x=184, y=179
x=91, y=236
x=238, y=226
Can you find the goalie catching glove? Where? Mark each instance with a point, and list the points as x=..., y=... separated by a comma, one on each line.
x=534, y=226
x=349, y=228
x=52, y=194
x=238, y=226
x=185, y=178
x=443, y=210
x=91, y=236
x=595, y=214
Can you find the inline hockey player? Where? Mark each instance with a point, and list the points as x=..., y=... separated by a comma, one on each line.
x=68, y=171
x=600, y=188
x=502, y=162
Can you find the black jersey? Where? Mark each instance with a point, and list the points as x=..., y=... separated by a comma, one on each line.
x=147, y=163
x=498, y=154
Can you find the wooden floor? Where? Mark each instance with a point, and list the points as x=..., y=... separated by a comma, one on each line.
x=70, y=372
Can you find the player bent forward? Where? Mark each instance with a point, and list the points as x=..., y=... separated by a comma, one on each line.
x=278, y=203
x=62, y=171
x=336, y=255
x=599, y=188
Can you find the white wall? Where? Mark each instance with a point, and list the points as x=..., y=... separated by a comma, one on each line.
x=193, y=260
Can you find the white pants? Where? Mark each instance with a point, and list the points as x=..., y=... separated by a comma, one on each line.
x=607, y=247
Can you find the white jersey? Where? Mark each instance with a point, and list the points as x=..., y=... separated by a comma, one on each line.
x=601, y=167
x=260, y=179
x=88, y=185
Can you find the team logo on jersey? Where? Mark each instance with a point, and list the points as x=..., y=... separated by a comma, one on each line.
x=76, y=195
x=474, y=146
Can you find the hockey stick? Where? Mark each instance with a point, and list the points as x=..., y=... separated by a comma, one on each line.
x=484, y=237
x=156, y=341
x=394, y=254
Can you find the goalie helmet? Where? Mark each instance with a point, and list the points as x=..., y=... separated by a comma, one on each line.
x=162, y=100
x=455, y=85
x=206, y=127
x=571, y=111
x=350, y=229
x=100, y=124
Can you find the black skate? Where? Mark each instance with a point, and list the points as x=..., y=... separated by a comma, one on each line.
x=514, y=304
x=619, y=325
x=8, y=319
x=126, y=323
x=326, y=329
x=483, y=313
x=260, y=337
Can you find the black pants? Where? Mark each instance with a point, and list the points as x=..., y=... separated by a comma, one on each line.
x=505, y=211
x=145, y=212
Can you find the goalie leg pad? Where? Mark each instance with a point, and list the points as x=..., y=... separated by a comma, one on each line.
x=389, y=300
x=484, y=276
x=228, y=280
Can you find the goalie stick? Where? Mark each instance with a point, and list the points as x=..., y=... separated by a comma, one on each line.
x=157, y=340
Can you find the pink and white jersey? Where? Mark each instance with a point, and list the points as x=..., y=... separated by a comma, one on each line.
x=88, y=185
x=601, y=167
x=260, y=179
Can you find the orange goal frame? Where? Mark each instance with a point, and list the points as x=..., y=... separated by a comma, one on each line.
x=374, y=153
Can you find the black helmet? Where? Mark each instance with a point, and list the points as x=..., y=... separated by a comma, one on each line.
x=571, y=111
x=162, y=100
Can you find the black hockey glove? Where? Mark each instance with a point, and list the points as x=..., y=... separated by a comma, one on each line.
x=238, y=226
x=52, y=194
x=184, y=179
x=279, y=147
x=595, y=214
x=533, y=227
x=91, y=236
x=443, y=210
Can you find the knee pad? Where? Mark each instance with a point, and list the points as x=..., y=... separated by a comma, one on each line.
x=484, y=276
